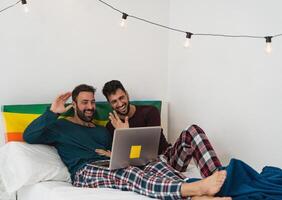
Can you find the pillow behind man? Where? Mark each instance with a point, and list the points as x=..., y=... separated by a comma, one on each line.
x=25, y=164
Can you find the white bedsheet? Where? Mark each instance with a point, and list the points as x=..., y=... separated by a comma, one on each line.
x=55, y=190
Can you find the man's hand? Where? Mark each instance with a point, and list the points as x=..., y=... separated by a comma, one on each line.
x=102, y=152
x=58, y=106
x=116, y=121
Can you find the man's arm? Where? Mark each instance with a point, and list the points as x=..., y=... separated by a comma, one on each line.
x=153, y=118
x=38, y=131
x=107, y=151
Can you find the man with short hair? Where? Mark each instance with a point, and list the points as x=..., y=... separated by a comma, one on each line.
x=76, y=139
x=192, y=143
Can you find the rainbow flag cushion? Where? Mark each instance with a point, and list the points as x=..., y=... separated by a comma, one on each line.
x=17, y=117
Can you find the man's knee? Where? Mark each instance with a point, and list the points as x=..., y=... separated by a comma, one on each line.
x=197, y=128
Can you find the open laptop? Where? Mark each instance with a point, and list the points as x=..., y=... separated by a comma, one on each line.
x=133, y=147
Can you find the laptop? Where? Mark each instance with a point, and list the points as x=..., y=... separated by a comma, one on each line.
x=133, y=147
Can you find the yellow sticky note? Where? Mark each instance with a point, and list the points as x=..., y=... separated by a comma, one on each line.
x=135, y=151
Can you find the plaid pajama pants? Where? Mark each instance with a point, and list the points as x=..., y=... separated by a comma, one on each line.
x=156, y=180
x=192, y=143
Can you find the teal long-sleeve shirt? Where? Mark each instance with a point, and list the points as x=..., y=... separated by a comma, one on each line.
x=75, y=143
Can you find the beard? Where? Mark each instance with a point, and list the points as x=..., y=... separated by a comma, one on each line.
x=81, y=115
x=124, y=113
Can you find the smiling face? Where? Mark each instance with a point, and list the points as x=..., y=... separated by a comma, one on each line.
x=85, y=106
x=119, y=102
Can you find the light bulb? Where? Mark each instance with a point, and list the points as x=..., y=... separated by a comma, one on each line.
x=123, y=20
x=188, y=39
x=122, y=23
x=187, y=42
x=26, y=10
x=268, y=48
x=24, y=3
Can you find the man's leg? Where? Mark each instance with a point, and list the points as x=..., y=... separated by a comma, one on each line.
x=192, y=143
x=162, y=169
x=131, y=179
x=146, y=183
x=204, y=189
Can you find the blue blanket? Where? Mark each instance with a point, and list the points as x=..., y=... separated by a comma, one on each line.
x=244, y=183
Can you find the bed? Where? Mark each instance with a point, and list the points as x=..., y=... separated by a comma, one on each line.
x=30, y=172
x=58, y=190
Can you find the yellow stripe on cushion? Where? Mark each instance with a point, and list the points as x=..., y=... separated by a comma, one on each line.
x=17, y=122
x=101, y=122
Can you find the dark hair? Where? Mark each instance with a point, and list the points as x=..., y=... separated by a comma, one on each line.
x=111, y=87
x=82, y=88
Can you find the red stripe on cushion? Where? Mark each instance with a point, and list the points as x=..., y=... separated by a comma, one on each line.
x=15, y=136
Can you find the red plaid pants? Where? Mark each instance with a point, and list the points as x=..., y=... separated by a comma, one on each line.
x=192, y=143
x=156, y=180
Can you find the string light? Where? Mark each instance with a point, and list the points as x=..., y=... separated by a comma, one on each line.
x=268, y=48
x=189, y=34
x=24, y=3
x=123, y=20
x=188, y=39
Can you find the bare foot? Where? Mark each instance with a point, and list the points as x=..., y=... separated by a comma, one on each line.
x=212, y=184
x=208, y=186
x=210, y=198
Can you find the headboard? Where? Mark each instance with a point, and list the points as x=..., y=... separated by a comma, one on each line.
x=17, y=117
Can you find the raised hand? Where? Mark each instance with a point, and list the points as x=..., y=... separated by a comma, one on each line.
x=116, y=121
x=58, y=106
x=103, y=152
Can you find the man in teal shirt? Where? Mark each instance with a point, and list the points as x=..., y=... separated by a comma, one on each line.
x=76, y=138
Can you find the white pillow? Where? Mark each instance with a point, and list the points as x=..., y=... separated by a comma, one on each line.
x=25, y=164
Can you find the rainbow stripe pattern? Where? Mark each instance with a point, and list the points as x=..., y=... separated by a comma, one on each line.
x=18, y=117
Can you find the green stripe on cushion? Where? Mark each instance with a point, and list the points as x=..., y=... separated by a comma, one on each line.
x=25, y=109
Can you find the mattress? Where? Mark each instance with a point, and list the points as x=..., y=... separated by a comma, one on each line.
x=56, y=190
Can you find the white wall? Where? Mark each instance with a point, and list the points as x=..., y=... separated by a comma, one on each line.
x=60, y=44
x=230, y=87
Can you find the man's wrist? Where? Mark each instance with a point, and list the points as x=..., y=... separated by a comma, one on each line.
x=58, y=114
